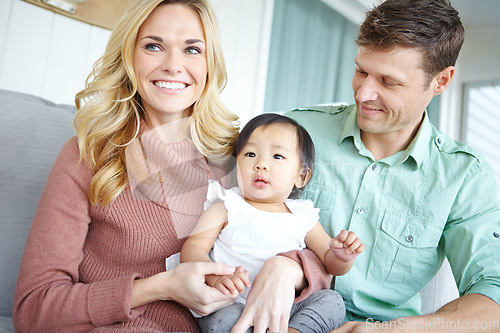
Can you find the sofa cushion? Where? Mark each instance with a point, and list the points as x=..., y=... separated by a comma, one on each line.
x=33, y=131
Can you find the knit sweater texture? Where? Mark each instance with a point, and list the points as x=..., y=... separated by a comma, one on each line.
x=80, y=260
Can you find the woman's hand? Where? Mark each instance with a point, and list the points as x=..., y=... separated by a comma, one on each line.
x=185, y=284
x=271, y=298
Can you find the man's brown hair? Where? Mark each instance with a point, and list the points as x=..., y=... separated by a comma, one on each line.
x=432, y=27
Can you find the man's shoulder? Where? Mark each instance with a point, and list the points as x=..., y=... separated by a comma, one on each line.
x=324, y=116
x=454, y=148
x=326, y=109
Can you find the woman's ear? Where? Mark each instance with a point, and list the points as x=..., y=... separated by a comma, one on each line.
x=304, y=177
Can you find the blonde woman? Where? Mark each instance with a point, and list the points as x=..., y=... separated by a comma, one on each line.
x=128, y=189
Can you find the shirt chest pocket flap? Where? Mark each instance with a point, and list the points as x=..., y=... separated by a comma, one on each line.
x=410, y=231
x=405, y=249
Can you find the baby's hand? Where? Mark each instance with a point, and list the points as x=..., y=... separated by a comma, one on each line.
x=346, y=245
x=230, y=284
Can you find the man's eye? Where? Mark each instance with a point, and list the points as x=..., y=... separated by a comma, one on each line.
x=250, y=154
x=278, y=157
x=361, y=72
x=389, y=84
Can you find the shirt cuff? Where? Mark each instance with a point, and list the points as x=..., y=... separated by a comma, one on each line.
x=314, y=271
x=109, y=301
x=488, y=287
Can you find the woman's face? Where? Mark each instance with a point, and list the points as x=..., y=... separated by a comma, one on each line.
x=170, y=63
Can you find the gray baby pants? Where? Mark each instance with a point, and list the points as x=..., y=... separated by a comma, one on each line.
x=322, y=311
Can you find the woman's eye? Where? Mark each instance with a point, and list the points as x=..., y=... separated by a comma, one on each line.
x=152, y=47
x=278, y=157
x=193, y=50
x=250, y=154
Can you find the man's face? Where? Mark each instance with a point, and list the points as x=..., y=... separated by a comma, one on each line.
x=391, y=91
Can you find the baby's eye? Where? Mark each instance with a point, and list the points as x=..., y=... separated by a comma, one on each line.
x=250, y=154
x=278, y=157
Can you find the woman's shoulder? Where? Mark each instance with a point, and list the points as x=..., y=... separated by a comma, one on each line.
x=68, y=160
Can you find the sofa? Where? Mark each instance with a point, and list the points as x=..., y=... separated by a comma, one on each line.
x=33, y=131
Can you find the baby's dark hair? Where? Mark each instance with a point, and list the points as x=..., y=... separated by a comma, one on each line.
x=305, y=143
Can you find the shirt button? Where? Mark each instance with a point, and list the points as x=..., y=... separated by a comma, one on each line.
x=374, y=167
x=409, y=238
x=360, y=211
x=496, y=234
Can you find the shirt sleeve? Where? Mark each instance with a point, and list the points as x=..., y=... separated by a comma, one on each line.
x=471, y=236
x=314, y=271
x=49, y=295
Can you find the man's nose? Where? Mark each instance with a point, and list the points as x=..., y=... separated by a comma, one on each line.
x=367, y=90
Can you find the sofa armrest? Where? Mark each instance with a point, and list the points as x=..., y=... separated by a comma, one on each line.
x=33, y=131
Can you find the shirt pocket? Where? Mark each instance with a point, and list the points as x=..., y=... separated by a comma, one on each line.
x=405, y=254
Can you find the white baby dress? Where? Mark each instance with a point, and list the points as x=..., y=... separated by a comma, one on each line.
x=252, y=235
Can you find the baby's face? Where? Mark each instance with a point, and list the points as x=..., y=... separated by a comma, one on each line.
x=269, y=164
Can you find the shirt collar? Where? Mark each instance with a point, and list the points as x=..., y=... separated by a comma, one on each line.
x=417, y=150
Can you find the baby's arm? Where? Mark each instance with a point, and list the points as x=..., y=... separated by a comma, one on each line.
x=198, y=245
x=338, y=253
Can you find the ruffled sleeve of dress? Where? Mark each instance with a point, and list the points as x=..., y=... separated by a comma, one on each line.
x=218, y=193
x=306, y=209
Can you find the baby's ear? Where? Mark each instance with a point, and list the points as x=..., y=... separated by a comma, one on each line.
x=304, y=177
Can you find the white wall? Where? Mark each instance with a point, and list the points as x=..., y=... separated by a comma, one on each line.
x=46, y=54
x=479, y=60
x=49, y=55
x=245, y=28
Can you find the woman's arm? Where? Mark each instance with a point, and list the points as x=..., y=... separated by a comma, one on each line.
x=49, y=295
x=184, y=284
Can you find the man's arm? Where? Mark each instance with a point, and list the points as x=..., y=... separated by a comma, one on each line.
x=469, y=313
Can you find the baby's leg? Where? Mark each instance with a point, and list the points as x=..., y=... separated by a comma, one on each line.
x=322, y=311
x=222, y=320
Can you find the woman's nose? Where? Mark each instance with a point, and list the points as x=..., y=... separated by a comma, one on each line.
x=172, y=62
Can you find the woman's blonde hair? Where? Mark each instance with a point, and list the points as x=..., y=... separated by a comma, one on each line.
x=109, y=108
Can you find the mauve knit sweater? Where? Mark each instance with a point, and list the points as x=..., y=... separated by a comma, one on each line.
x=80, y=260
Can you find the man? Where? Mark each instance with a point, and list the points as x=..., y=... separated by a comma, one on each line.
x=411, y=194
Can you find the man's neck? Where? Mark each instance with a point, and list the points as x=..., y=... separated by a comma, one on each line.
x=383, y=145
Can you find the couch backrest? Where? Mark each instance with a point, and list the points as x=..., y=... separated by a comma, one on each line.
x=33, y=130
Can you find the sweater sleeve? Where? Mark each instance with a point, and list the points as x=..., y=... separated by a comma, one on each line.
x=314, y=271
x=49, y=296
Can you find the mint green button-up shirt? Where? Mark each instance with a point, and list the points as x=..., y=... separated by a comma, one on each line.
x=436, y=199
